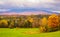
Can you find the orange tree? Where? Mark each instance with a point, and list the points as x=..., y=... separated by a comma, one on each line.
x=59, y=21
x=53, y=22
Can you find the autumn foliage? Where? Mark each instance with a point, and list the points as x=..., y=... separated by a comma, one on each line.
x=50, y=24
x=3, y=23
x=53, y=22
x=43, y=22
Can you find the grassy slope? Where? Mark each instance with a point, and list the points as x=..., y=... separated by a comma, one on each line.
x=20, y=33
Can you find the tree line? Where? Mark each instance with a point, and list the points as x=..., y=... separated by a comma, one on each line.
x=45, y=24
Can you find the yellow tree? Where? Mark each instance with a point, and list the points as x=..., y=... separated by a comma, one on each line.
x=30, y=20
x=43, y=26
x=44, y=21
x=4, y=23
x=53, y=21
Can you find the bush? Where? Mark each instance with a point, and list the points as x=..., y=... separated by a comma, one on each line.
x=43, y=29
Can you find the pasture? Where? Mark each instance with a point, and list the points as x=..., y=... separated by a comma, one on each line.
x=26, y=32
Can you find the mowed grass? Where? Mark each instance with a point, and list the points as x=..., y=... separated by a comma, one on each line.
x=25, y=32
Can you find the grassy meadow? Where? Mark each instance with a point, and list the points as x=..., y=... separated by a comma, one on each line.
x=26, y=32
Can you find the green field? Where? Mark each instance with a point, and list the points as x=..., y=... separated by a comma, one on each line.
x=25, y=32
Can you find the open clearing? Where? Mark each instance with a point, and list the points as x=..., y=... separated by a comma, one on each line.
x=26, y=32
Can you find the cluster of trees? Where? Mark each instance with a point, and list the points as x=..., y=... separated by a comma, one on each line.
x=46, y=24
x=52, y=23
x=22, y=22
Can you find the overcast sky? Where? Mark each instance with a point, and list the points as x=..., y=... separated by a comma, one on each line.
x=29, y=5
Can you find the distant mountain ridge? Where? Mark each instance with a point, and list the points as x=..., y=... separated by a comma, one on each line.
x=28, y=13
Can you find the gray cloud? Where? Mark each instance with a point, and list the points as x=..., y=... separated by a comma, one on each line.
x=53, y=5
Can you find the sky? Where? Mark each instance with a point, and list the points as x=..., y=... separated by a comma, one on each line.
x=22, y=6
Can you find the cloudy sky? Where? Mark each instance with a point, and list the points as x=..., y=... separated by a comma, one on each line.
x=20, y=6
